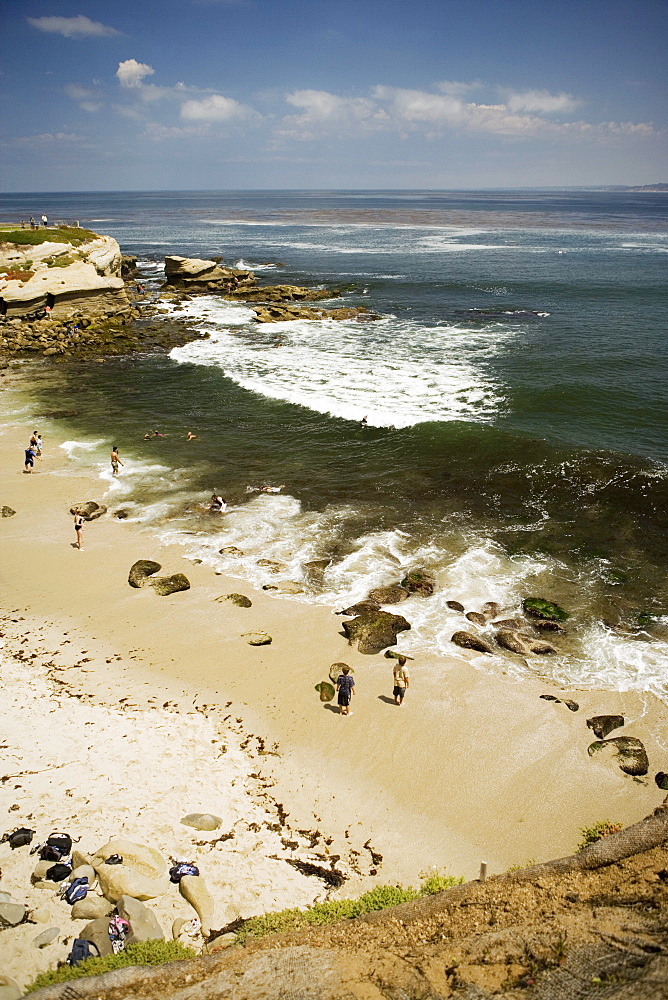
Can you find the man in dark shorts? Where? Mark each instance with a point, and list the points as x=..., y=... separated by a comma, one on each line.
x=345, y=685
x=30, y=459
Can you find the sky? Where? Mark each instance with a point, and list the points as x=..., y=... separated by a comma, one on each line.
x=332, y=94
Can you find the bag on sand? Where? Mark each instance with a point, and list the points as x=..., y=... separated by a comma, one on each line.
x=180, y=869
x=61, y=842
x=19, y=838
x=81, y=950
x=76, y=890
x=58, y=872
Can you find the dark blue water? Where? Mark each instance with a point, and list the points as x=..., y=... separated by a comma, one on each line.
x=514, y=384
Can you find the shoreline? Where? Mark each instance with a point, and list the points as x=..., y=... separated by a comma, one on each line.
x=474, y=767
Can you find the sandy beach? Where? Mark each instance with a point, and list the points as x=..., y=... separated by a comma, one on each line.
x=122, y=711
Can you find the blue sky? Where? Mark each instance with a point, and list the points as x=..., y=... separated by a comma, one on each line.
x=220, y=94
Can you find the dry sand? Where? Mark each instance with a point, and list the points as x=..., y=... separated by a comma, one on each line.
x=136, y=709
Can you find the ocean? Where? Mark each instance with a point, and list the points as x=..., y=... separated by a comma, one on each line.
x=514, y=386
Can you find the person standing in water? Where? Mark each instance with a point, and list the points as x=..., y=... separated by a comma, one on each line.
x=115, y=460
x=217, y=503
x=345, y=685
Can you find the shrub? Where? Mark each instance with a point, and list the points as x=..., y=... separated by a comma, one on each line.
x=33, y=237
x=378, y=898
x=141, y=953
x=590, y=834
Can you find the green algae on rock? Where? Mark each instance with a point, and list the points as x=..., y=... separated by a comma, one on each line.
x=538, y=607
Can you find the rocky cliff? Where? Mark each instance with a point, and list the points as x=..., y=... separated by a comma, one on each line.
x=69, y=271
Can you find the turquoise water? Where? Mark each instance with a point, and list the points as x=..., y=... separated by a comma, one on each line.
x=514, y=385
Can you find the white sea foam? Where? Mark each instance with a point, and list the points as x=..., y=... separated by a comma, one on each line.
x=72, y=447
x=395, y=372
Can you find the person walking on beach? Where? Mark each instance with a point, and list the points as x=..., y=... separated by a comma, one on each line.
x=115, y=460
x=38, y=449
x=31, y=455
x=345, y=685
x=78, y=527
x=402, y=680
x=44, y=220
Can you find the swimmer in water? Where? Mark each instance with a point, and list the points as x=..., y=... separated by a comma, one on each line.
x=363, y=423
x=272, y=489
x=217, y=503
x=190, y=436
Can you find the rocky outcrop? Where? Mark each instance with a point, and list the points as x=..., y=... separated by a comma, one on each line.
x=141, y=571
x=604, y=724
x=64, y=276
x=194, y=274
x=282, y=312
x=375, y=630
x=392, y=594
x=538, y=607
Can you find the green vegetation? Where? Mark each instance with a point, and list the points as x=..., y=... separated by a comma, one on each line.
x=33, y=237
x=62, y=260
x=345, y=909
x=590, y=834
x=538, y=607
x=142, y=953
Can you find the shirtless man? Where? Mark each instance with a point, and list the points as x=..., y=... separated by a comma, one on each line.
x=115, y=460
x=217, y=503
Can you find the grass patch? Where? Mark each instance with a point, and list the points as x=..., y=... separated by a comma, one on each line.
x=590, y=834
x=379, y=898
x=62, y=260
x=141, y=953
x=33, y=237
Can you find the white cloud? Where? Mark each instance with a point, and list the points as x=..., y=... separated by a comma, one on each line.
x=320, y=105
x=77, y=92
x=130, y=73
x=540, y=101
x=215, y=108
x=73, y=27
x=404, y=110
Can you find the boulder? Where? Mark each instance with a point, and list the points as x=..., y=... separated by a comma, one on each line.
x=7, y=512
x=121, y=514
x=79, y=858
x=392, y=594
x=89, y=509
x=476, y=617
x=91, y=908
x=120, y=880
x=230, y=550
x=628, y=751
x=202, y=821
x=238, y=599
x=9, y=988
x=392, y=654
x=165, y=585
x=547, y=626
x=97, y=931
x=143, y=922
x=144, y=860
x=469, y=641
x=361, y=608
x=12, y=914
x=604, y=724
x=375, y=630
x=194, y=891
x=47, y=937
x=257, y=638
x=419, y=581
x=661, y=778
x=511, y=641
x=39, y=878
x=141, y=571
x=325, y=690
x=490, y=609
x=455, y=606
x=509, y=623
x=518, y=642
x=538, y=607
x=84, y=871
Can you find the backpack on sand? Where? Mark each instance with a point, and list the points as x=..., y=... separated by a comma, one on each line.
x=81, y=950
x=76, y=890
x=19, y=838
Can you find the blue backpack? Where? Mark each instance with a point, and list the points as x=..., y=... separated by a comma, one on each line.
x=81, y=950
x=76, y=890
x=180, y=869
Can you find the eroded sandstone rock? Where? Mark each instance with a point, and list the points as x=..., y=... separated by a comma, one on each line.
x=469, y=641
x=375, y=630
